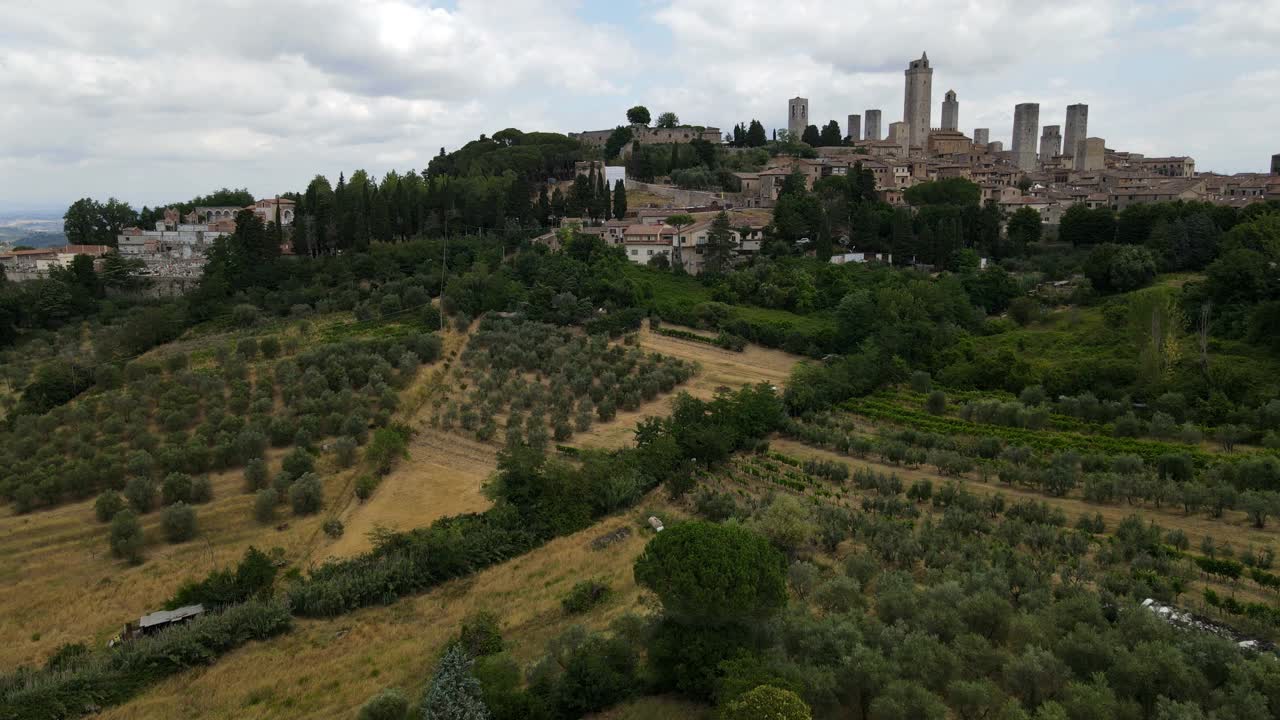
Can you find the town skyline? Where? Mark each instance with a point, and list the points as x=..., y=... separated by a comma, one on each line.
x=115, y=117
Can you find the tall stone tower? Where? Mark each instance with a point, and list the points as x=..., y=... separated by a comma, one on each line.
x=950, y=111
x=899, y=133
x=873, y=124
x=981, y=136
x=1077, y=128
x=1275, y=164
x=1091, y=154
x=917, y=107
x=797, y=116
x=854, y=130
x=1026, y=121
x=1050, y=143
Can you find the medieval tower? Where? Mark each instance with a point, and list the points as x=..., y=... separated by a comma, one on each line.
x=918, y=104
x=1077, y=128
x=1026, y=123
x=871, y=126
x=797, y=116
x=950, y=111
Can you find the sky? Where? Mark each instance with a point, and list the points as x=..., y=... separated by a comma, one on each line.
x=156, y=101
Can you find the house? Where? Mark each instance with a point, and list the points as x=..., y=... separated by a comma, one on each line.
x=268, y=209
x=643, y=242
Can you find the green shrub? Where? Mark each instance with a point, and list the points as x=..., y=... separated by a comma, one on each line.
x=389, y=704
x=141, y=493
x=126, y=536
x=333, y=528
x=306, y=495
x=108, y=504
x=264, y=505
x=585, y=595
x=255, y=475
x=178, y=522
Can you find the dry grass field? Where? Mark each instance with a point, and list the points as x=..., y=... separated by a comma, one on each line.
x=328, y=668
x=61, y=583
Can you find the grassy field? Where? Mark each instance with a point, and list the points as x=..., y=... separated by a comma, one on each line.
x=328, y=668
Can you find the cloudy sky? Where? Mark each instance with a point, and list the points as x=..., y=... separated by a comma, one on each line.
x=159, y=100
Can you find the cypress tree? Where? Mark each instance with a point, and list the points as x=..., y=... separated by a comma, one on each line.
x=619, y=200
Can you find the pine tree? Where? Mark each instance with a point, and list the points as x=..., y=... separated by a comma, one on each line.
x=811, y=136
x=602, y=198
x=619, y=200
x=517, y=205
x=454, y=693
x=756, y=136
x=720, y=244
x=558, y=204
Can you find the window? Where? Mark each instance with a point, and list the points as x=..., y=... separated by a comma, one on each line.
x=650, y=251
x=635, y=251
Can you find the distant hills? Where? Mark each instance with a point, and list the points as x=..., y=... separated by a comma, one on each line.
x=34, y=229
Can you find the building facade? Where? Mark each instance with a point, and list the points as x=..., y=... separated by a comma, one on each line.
x=981, y=136
x=900, y=135
x=1026, y=123
x=1091, y=154
x=918, y=101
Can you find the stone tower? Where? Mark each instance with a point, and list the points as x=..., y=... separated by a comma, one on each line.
x=1275, y=164
x=1091, y=154
x=950, y=111
x=981, y=136
x=797, y=116
x=854, y=130
x=873, y=124
x=1026, y=121
x=899, y=133
x=1077, y=128
x=917, y=106
x=1050, y=143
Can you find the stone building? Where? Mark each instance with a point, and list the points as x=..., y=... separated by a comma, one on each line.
x=1091, y=154
x=1077, y=128
x=1167, y=166
x=853, y=130
x=900, y=134
x=1050, y=143
x=994, y=147
x=981, y=136
x=797, y=116
x=872, y=129
x=950, y=111
x=918, y=101
x=948, y=142
x=1275, y=164
x=646, y=135
x=1026, y=122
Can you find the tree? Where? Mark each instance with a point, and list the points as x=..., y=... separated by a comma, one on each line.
x=1025, y=227
x=755, y=135
x=788, y=523
x=126, y=536
x=120, y=272
x=679, y=221
x=711, y=575
x=264, y=505
x=905, y=700
x=80, y=222
x=831, y=135
x=178, y=522
x=638, y=115
x=141, y=493
x=454, y=692
x=619, y=200
x=948, y=191
x=1120, y=268
x=766, y=702
x=618, y=139
x=306, y=495
x=1082, y=226
x=811, y=136
x=668, y=120
x=107, y=505
x=720, y=244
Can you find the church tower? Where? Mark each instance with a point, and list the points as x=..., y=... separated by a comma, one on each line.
x=950, y=111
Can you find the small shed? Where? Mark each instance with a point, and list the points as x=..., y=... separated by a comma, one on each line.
x=161, y=619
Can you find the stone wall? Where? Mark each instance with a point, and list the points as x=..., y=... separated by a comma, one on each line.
x=677, y=196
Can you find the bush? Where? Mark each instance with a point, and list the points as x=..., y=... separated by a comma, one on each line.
x=766, y=702
x=176, y=488
x=298, y=463
x=1024, y=310
x=936, y=404
x=389, y=704
x=921, y=382
x=365, y=485
x=178, y=522
x=306, y=495
x=480, y=635
x=126, y=536
x=108, y=504
x=255, y=475
x=201, y=490
x=333, y=528
x=264, y=505
x=141, y=494
x=585, y=595
x=344, y=451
